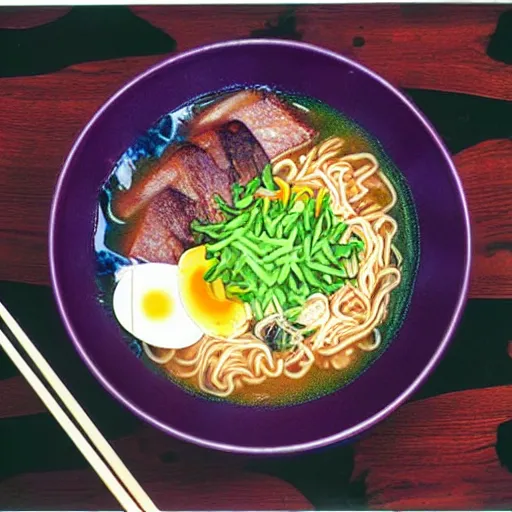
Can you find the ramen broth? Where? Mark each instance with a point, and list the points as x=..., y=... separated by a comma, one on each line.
x=328, y=122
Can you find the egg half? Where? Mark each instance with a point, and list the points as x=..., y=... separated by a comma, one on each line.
x=172, y=306
x=206, y=303
x=148, y=305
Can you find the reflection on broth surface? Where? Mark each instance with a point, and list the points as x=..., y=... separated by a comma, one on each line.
x=293, y=236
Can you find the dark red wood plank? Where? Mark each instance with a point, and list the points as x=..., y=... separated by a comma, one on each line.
x=441, y=47
x=176, y=475
x=18, y=399
x=40, y=116
x=421, y=46
x=439, y=454
x=172, y=487
x=486, y=171
x=26, y=17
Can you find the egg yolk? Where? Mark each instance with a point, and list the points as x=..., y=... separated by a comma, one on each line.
x=205, y=302
x=157, y=305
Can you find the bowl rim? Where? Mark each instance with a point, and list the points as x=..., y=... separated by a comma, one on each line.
x=346, y=434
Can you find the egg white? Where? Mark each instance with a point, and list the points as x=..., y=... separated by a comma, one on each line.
x=176, y=330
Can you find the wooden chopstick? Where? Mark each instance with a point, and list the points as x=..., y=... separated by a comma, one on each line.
x=69, y=427
x=117, y=473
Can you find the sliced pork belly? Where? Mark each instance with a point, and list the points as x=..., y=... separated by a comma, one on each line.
x=234, y=149
x=161, y=231
x=211, y=142
x=189, y=170
x=277, y=126
x=245, y=152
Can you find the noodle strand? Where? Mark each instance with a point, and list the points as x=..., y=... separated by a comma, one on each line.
x=345, y=321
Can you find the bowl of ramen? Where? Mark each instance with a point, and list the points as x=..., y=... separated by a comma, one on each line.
x=260, y=246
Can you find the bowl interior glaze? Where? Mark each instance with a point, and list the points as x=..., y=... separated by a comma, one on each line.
x=409, y=140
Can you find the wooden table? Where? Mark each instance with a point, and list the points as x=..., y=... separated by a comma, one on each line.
x=450, y=446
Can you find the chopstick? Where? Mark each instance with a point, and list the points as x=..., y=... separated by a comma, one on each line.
x=112, y=477
x=69, y=427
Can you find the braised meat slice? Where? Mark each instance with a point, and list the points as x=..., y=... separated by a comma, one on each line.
x=160, y=232
x=211, y=142
x=277, y=126
x=189, y=170
x=234, y=149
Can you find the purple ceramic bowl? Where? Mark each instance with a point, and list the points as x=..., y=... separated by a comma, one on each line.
x=441, y=284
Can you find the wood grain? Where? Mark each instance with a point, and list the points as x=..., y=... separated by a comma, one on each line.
x=431, y=454
x=33, y=155
x=486, y=171
x=171, y=486
x=39, y=119
x=444, y=457
x=40, y=116
x=484, y=323
x=424, y=47
x=26, y=17
x=18, y=399
x=170, y=470
x=153, y=454
x=177, y=476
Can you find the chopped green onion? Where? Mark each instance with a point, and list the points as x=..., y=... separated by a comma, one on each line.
x=224, y=243
x=217, y=271
x=318, y=229
x=257, y=309
x=244, y=243
x=288, y=258
x=252, y=186
x=307, y=247
x=268, y=179
x=276, y=254
x=284, y=273
x=329, y=255
x=266, y=252
x=260, y=272
x=280, y=296
x=239, y=264
x=328, y=270
x=224, y=207
x=236, y=191
x=210, y=271
x=258, y=226
x=343, y=251
x=338, y=232
x=297, y=271
x=237, y=222
x=311, y=279
x=245, y=202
